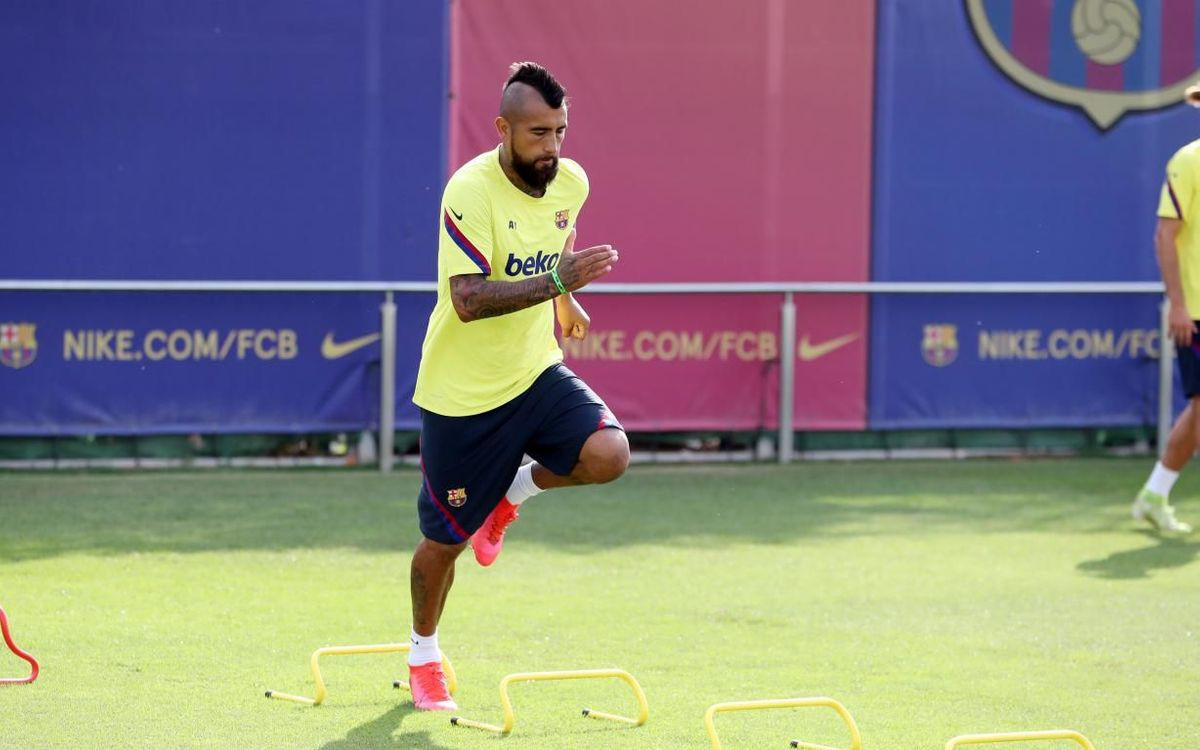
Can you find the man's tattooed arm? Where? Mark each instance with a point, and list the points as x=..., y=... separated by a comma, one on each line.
x=475, y=297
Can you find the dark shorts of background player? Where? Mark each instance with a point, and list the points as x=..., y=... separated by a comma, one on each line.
x=1189, y=363
x=468, y=463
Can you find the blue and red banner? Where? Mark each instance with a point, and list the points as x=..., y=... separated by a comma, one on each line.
x=729, y=141
x=1105, y=56
x=1108, y=46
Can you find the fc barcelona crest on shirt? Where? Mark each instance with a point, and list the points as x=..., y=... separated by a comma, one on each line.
x=939, y=346
x=18, y=347
x=562, y=219
x=1106, y=57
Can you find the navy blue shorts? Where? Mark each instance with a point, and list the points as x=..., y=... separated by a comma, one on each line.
x=1189, y=363
x=468, y=463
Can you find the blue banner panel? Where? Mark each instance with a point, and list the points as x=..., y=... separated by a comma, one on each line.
x=145, y=363
x=215, y=140
x=1008, y=147
x=222, y=139
x=1019, y=361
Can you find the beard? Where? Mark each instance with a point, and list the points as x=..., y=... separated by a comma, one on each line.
x=535, y=176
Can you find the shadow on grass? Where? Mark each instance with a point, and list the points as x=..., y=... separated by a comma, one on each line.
x=381, y=733
x=49, y=515
x=1164, y=553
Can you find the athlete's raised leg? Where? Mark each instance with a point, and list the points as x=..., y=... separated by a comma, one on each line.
x=604, y=457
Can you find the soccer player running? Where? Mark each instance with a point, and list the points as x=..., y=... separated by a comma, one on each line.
x=1177, y=244
x=491, y=385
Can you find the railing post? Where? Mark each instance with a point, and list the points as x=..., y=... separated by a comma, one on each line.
x=1166, y=351
x=387, y=384
x=787, y=375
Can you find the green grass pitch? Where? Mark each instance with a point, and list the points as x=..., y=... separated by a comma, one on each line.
x=931, y=598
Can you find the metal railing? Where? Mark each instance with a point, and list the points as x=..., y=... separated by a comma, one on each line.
x=787, y=321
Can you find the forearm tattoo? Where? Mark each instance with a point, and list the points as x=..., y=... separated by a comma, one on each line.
x=475, y=297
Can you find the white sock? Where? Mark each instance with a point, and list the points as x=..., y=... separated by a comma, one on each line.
x=424, y=649
x=523, y=487
x=1161, y=480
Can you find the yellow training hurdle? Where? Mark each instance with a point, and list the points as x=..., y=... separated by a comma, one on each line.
x=381, y=648
x=716, y=708
x=581, y=674
x=1054, y=734
x=643, y=706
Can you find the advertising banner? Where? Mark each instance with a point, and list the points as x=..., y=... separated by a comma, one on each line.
x=215, y=141
x=82, y=363
x=1015, y=361
x=1022, y=141
x=724, y=141
x=712, y=361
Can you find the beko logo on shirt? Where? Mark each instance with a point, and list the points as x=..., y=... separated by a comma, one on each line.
x=531, y=266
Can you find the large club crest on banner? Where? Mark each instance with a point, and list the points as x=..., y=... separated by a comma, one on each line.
x=1106, y=57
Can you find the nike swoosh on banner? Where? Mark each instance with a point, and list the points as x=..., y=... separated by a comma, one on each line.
x=331, y=349
x=809, y=351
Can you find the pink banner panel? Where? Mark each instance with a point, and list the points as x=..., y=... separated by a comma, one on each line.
x=725, y=141
x=703, y=362
x=831, y=362
x=675, y=363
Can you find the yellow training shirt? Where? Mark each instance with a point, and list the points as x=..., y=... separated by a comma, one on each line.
x=1178, y=201
x=489, y=226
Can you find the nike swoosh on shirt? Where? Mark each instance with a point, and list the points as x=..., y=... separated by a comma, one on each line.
x=457, y=215
x=810, y=351
x=331, y=349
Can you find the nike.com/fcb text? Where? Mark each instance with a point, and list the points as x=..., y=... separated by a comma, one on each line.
x=181, y=344
x=669, y=346
x=1064, y=343
x=698, y=346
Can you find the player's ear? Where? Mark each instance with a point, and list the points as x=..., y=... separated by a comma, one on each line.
x=502, y=128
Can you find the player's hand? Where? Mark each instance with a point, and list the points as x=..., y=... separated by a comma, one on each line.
x=579, y=268
x=1180, y=325
x=572, y=318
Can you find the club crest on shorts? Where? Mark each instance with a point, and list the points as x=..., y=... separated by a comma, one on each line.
x=457, y=497
x=562, y=219
x=18, y=346
x=939, y=346
x=1106, y=57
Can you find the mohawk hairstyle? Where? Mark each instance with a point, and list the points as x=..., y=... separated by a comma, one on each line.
x=532, y=74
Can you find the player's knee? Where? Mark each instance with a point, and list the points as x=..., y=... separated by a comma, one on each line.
x=438, y=552
x=1191, y=412
x=608, y=458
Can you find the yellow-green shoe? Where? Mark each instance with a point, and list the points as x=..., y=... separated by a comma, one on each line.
x=1153, y=508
